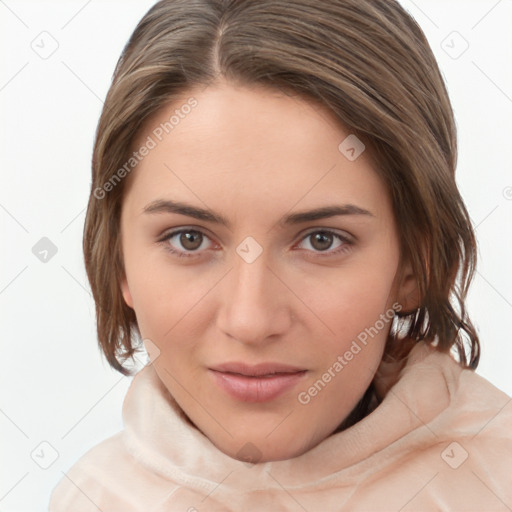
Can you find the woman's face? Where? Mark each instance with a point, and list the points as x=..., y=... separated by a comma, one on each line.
x=260, y=253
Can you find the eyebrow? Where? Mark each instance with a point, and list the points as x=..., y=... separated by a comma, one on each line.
x=169, y=206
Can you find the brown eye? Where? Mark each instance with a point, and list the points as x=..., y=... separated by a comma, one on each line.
x=321, y=241
x=191, y=240
x=325, y=242
x=186, y=242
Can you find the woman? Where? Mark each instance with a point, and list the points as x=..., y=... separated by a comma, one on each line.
x=274, y=213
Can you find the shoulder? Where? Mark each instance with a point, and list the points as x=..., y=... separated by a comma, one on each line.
x=107, y=477
x=460, y=455
x=474, y=430
x=482, y=420
x=469, y=461
x=480, y=409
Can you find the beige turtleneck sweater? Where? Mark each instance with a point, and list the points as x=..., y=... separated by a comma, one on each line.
x=441, y=439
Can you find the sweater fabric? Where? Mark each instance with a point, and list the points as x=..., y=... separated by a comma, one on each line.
x=440, y=439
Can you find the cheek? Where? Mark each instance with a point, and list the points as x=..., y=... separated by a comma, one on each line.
x=353, y=298
x=355, y=307
x=167, y=299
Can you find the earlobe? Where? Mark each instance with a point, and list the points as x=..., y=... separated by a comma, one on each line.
x=125, y=290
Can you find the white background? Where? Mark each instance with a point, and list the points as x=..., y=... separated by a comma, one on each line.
x=55, y=385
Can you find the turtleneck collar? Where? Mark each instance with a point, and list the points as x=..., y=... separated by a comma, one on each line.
x=161, y=437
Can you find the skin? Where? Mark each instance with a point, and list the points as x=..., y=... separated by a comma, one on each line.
x=255, y=155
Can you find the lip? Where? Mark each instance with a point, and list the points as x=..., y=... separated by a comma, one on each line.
x=256, y=369
x=256, y=383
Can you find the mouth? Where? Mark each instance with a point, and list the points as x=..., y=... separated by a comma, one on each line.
x=259, y=383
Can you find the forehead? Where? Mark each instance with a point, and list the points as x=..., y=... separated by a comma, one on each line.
x=253, y=147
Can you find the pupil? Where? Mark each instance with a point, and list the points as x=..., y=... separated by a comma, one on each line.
x=324, y=239
x=189, y=240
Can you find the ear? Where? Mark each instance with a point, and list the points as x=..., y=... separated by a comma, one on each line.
x=407, y=289
x=125, y=290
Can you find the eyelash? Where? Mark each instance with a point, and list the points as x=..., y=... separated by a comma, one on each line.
x=183, y=254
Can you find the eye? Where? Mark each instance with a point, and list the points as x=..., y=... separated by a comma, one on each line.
x=320, y=241
x=188, y=242
x=183, y=242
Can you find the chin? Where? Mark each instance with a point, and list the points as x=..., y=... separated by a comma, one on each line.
x=255, y=449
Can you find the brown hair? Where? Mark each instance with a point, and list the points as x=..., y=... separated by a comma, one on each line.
x=369, y=62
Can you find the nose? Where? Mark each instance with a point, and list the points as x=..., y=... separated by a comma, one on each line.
x=255, y=304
